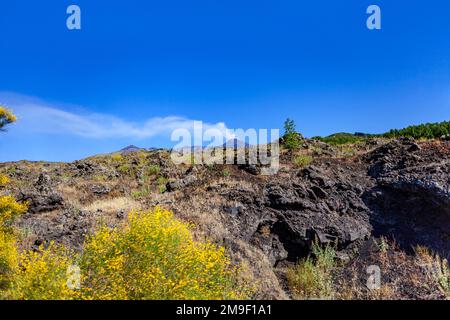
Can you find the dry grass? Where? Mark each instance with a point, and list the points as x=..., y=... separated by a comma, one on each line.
x=312, y=278
x=114, y=205
x=71, y=194
x=435, y=267
x=303, y=161
x=421, y=276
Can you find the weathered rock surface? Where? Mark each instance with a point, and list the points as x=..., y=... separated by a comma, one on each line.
x=181, y=183
x=411, y=200
x=285, y=217
x=42, y=196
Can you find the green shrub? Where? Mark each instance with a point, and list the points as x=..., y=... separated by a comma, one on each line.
x=125, y=169
x=226, y=173
x=342, y=139
x=303, y=161
x=153, y=170
x=162, y=182
x=437, y=268
x=149, y=173
x=312, y=277
x=141, y=193
x=291, y=138
x=117, y=157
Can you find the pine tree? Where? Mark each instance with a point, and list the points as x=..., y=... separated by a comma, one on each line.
x=291, y=137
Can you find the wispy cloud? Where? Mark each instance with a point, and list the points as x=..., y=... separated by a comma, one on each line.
x=37, y=116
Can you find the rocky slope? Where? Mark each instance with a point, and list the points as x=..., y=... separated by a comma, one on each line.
x=396, y=191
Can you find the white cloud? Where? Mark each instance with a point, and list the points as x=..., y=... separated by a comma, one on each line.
x=37, y=116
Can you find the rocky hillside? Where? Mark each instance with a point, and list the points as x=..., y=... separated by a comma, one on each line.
x=378, y=202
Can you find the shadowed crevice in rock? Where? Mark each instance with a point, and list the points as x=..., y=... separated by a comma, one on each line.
x=412, y=217
x=295, y=246
x=411, y=200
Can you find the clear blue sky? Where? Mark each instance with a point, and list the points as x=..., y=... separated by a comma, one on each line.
x=248, y=64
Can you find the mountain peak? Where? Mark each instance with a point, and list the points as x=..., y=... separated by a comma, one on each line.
x=131, y=149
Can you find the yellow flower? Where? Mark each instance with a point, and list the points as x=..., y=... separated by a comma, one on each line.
x=151, y=256
x=3, y=180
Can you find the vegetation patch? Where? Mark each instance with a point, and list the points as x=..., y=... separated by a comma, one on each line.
x=151, y=256
x=303, y=161
x=423, y=131
x=312, y=278
x=343, y=138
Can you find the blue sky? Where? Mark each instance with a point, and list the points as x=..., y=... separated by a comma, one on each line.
x=137, y=69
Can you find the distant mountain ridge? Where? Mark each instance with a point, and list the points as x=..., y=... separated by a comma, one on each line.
x=132, y=148
x=236, y=144
x=232, y=143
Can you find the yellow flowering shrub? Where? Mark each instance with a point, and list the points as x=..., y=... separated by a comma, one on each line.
x=151, y=256
x=29, y=274
x=154, y=256
x=3, y=180
x=6, y=117
x=9, y=210
x=8, y=261
x=43, y=275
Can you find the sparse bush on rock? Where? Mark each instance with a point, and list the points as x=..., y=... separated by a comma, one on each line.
x=312, y=278
x=303, y=161
x=291, y=138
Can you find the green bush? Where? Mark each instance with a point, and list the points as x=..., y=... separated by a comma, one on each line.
x=153, y=170
x=291, y=138
x=141, y=193
x=117, y=157
x=312, y=277
x=125, y=169
x=303, y=161
x=162, y=182
x=342, y=139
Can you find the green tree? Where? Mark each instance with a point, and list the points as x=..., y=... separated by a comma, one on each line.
x=291, y=137
x=426, y=131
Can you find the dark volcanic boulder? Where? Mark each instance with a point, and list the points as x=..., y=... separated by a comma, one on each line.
x=411, y=201
x=181, y=183
x=42, y=197
x=318, y=207
x=100, y=189
x=89, y=168
x=286, y=216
